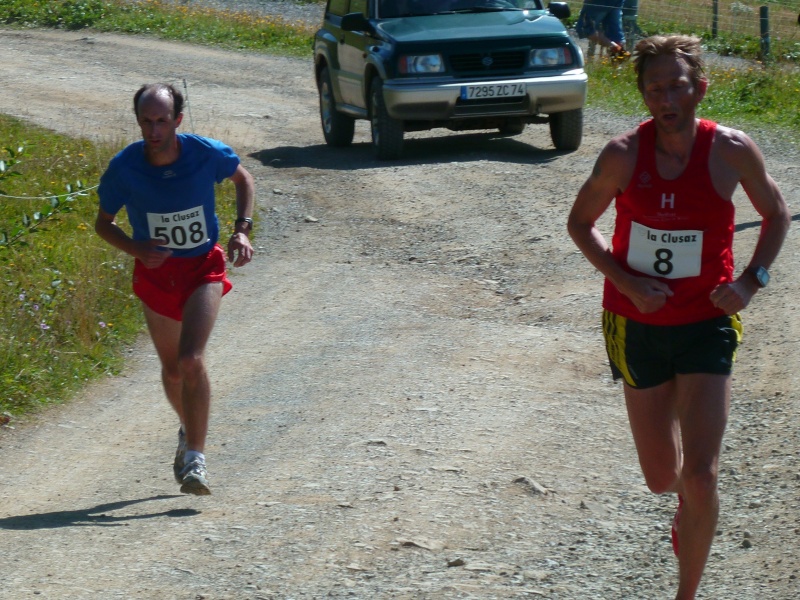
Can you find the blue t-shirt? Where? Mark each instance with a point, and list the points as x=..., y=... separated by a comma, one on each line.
x=175, y=202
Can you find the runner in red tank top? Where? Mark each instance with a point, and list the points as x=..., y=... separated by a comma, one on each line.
x=671, y=304
x=680, y=230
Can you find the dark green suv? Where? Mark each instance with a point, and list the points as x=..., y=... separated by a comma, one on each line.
x=412, y=65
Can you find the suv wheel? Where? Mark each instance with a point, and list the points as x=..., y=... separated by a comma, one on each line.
x=337, y=128
x=387, y=133
x=566, y=129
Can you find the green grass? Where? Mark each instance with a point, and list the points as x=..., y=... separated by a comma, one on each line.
x=66, y=306
x=183, y=22
x=66, y=309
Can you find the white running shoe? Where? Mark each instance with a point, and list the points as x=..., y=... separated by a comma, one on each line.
x=194, y=478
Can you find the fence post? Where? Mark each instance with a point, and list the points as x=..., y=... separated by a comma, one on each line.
x=715, y=18
x=764, y=18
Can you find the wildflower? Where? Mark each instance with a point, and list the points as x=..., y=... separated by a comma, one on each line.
x=44, y=326
x=35, y=307
x=22, y=297
x=102, y=324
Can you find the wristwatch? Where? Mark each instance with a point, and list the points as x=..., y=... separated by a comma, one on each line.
x=760, y=274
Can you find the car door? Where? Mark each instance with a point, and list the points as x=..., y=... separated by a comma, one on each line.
x=352, y=58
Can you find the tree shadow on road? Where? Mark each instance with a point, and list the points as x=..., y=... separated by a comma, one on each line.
x=752, y=224
x=470, y=147
x=95, y=516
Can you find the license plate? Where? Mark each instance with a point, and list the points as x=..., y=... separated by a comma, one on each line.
x=494, y=90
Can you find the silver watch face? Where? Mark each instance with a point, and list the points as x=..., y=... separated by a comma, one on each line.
x=762, y=275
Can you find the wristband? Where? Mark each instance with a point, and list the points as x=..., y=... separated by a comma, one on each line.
x=247, y=220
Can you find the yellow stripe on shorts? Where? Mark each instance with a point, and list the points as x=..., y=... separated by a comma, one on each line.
x=614, y=329
x=738, y=327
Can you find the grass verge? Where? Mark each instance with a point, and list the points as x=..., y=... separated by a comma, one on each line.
x=172, y=21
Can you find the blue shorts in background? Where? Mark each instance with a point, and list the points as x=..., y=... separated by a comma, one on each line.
x=595, y=17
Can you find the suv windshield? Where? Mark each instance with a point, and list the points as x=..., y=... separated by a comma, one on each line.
x=388, y=9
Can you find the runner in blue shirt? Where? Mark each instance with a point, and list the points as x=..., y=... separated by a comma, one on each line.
x=166, y=184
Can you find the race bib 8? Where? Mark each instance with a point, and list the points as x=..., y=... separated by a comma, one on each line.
x=180, y=230
x=669, y=254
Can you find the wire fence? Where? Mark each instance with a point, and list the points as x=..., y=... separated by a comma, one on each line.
x=739, y=17
x=774, y=24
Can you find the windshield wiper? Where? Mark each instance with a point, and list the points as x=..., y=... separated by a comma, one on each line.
x=480, y=9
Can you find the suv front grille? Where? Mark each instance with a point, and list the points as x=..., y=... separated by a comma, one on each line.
x=488, y=62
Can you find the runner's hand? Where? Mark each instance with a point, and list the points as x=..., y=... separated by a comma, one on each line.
x=648, y=295
x=733, y=297
x=152, y=254
x=240, y=252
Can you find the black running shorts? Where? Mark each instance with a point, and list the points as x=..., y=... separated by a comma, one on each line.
x=648, y=355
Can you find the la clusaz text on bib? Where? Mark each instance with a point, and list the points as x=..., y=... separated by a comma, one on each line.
x=672, y=254
x=181, y=230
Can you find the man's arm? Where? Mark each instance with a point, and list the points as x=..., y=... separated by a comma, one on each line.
x=744, y=157
x=240, y=252
x=149, y=252
x=611, y=173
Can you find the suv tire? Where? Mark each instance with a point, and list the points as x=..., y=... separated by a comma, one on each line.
x=387, y=133
x=337, y=128
x=566, y=129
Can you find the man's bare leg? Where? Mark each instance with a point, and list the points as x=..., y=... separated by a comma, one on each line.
x=181, y=347
x=199, y=316
x=677, y=429
x=704, y=406
x=165, y=333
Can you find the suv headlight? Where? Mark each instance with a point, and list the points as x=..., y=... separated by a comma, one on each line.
x=550, y=57
x=421, y=64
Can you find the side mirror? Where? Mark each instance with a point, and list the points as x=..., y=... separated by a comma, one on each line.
x=356, y=22
x=559, y=10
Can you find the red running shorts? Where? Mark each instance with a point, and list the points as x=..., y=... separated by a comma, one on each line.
x=166, y=289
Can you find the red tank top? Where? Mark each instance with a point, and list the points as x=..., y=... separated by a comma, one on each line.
x=677, y=230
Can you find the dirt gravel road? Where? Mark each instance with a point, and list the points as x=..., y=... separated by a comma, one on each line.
x=411, y=398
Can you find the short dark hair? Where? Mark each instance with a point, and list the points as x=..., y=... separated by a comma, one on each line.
x=177, y=97
x=685, y=47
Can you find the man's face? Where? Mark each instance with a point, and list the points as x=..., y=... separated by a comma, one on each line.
x=670, y=94
x=156, y=120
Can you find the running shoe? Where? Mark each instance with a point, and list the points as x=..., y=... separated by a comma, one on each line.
x=177, y=466
x=675, y=525
x=194, y=478
x=620, y=55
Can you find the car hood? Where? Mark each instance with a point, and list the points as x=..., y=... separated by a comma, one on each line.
x=471, y=26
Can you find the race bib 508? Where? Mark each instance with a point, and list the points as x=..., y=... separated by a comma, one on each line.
x=180, y=230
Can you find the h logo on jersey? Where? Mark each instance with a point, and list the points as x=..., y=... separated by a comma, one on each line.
x=668, y=201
